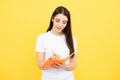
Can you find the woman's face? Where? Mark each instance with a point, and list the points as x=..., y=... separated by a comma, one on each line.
x=59, y=22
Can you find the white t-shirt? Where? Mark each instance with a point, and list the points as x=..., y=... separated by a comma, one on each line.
x=47, y=42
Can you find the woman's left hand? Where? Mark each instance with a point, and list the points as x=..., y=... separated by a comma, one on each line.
x=58, y=66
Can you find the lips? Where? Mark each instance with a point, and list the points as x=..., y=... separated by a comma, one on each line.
x=58, y=28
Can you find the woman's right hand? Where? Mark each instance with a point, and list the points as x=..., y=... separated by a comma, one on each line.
x=55, y=56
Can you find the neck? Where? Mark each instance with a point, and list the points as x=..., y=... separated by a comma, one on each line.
x=56, y=33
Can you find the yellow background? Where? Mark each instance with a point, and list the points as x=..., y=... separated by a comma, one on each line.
x=95, y=24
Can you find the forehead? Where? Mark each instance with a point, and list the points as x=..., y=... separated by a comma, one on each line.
x=61, y=17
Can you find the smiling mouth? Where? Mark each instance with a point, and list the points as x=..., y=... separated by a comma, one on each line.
x=59, y=28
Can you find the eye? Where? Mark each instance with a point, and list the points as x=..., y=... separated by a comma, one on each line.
x=64, y=22
x=57, y=20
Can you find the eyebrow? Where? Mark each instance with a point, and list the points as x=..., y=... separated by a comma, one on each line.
x=59, y=19
x=64, y=21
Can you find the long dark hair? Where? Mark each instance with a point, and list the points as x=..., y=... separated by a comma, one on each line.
x=67, y=30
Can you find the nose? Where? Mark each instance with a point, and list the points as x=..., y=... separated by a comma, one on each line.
x=60, y=24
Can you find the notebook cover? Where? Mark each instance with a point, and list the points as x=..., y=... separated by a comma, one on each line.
x=49, y=62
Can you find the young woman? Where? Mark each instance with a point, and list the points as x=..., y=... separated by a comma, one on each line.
x=58, y=39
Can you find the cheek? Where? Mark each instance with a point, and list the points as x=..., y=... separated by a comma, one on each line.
x=55, y=23
x=64, y=25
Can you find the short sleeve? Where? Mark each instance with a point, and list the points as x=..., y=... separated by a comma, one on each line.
x=75, y=44
x=40, y=44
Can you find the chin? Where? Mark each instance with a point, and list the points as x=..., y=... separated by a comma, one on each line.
x=58, y=31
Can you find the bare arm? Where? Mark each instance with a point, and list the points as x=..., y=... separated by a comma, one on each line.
x=72, y=64
x=40, y=59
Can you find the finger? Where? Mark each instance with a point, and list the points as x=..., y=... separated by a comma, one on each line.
x=53, y=57
x=56, y=55
x=55, y=66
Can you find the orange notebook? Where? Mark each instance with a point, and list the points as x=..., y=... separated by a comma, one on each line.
x=49, y=62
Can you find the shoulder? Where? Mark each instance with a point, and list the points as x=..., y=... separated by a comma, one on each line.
x=42, y=37
x=74, y=38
